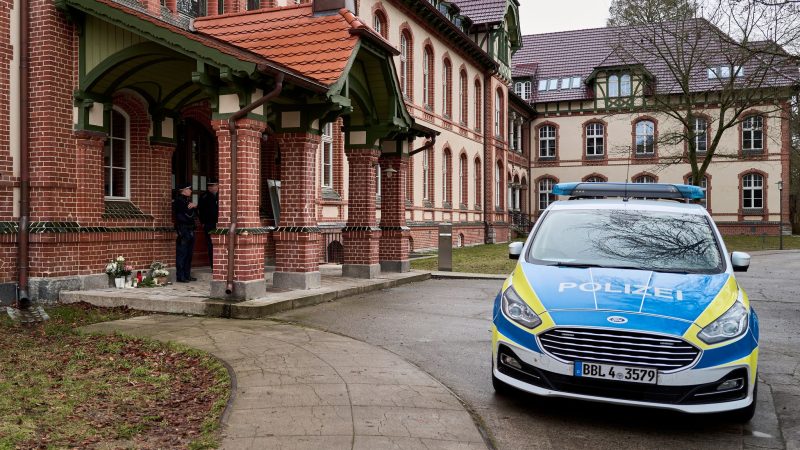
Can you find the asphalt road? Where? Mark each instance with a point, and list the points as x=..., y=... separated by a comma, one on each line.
x=443, y=327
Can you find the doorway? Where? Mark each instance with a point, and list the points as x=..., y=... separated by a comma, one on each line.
x=195, y=160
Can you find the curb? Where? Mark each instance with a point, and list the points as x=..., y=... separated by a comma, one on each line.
x=466, y=276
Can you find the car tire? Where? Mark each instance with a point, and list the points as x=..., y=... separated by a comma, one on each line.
x=500, y=388
x=744, y=415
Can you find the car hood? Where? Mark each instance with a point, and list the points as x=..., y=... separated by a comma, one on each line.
x=678, y=296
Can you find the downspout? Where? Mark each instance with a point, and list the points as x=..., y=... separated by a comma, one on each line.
x=235, y=170
x=23, y=300
x=488, y=163
x=431, y=142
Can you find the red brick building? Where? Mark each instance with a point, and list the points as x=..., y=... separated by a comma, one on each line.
x=119, y=100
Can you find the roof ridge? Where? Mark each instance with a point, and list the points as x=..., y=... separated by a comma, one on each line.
x=253, y=12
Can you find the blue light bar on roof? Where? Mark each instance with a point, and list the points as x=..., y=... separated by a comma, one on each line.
x=626, y=190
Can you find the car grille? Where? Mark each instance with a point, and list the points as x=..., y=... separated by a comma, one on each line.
x=619, y=347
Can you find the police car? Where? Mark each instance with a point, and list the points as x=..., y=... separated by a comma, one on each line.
x=622, y=297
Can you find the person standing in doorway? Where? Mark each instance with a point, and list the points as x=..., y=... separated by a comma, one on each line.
x=184, y=225
x=209, y=214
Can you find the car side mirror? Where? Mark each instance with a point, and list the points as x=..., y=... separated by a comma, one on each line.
x=515, y=249
x=740, y=261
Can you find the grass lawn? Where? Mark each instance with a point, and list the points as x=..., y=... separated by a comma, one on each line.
x=489, y=258
x=63, y=389
x=755, y=243
x=493, y=258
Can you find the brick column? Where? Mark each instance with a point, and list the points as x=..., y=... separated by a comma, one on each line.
x=91, y=198
x=394, y=232
x=248, y=279
x=361, y=236
x=297, y=238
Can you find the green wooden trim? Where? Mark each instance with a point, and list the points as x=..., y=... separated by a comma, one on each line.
x=175, y=41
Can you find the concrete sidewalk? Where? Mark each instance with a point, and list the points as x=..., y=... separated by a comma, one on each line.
x=301, y=388
x=194, y=298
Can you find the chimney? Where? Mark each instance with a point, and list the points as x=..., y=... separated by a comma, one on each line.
x=328, y=7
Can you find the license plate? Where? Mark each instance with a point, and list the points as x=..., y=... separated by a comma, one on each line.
x=617, y=373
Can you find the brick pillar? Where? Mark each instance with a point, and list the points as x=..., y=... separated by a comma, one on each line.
x=297, y=237
x=172, y=5
x=91, y=198
x=212, y=7
x=361, y=236
x=394, y=232
x=248, y=275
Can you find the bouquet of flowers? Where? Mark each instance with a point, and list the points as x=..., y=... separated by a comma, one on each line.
x=117, y=268
x=158, y=270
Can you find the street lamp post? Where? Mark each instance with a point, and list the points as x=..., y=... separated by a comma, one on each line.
x=780, y=212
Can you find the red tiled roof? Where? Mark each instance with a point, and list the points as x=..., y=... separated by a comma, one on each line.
x=579, y=52
x=483, y=11
x=317, y=47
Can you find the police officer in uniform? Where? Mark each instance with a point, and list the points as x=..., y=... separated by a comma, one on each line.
x=185, y=212
x=209, y=214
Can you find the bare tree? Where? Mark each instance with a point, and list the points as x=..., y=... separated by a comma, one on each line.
x=638, y=12
x=729, y=57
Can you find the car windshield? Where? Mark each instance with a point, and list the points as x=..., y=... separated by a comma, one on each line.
x=646, y=240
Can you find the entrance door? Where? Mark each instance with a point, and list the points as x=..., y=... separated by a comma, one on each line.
x=195, y=161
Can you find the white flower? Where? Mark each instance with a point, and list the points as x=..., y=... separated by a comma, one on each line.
x=120, y=258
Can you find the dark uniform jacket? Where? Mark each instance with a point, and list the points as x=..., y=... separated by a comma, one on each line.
x=184, y=217
x=209, y=210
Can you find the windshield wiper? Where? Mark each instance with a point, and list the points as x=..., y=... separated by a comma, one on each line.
x=589, y=266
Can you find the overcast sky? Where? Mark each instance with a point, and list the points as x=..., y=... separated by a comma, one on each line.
x=539, y=16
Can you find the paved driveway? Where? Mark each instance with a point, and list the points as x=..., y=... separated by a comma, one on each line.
x=443, y=326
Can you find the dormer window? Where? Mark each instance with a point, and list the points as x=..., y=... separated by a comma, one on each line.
x=523, y=89
x=722, y=72
x=619, y=86
x=576, y=82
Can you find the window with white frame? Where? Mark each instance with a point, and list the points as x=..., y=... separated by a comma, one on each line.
x=497, y=184
x=498, y=115
x=427, y=72
x=700, y=134
x=546, y=193
x=613, y=86
x=404, y=63
x=379, y=24
x=547, y=141
x=644, y=179
x=595, y=137
x=462, y=180
x=625, y=85
x=447, y=101
x=116, y=158
x=446, y=160
x=523, y=89
x=425, y=175
x=645, y=138
x=462, y=98
x=327, y=155
x=594, y=180
x=704, y=185
x=752, y=191
x=753, y=134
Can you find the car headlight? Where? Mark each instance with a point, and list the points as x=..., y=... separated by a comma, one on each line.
x=730, y=325
x=519, y=311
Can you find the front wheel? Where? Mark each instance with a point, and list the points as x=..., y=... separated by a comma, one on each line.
x=500, y=387
x=744, y=415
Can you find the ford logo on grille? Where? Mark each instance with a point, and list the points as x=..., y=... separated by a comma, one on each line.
x=617, y=319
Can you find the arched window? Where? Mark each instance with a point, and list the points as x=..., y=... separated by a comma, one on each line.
x=463, y=96
x=547, y=141
x=498, y=182
x=523, y=89
x=594, y=179
x=478, y=109
x=406, y=67
x=645, y=138
x=595, y=139
x=463, y=181
x=644, y=179
x=544, y=193
x=700, y=134
x=753, y=191
x=478, y=172
x=613, y=86
x=703, y=184
x=625, y=86
x=447, y=88
x=753, y=134
x=447, y=161
x=427, y=77
x=498, y=113
x=116, y=163
x=379, y=24
x=426, y=174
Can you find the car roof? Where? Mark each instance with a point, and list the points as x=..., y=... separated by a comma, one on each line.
x=630, y=204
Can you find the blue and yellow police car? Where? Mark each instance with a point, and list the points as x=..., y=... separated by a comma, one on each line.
x=622, y=297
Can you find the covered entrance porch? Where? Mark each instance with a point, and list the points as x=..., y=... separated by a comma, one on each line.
x=183, y=93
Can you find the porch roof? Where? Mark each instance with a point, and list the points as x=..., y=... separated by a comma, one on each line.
x=318, y=47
